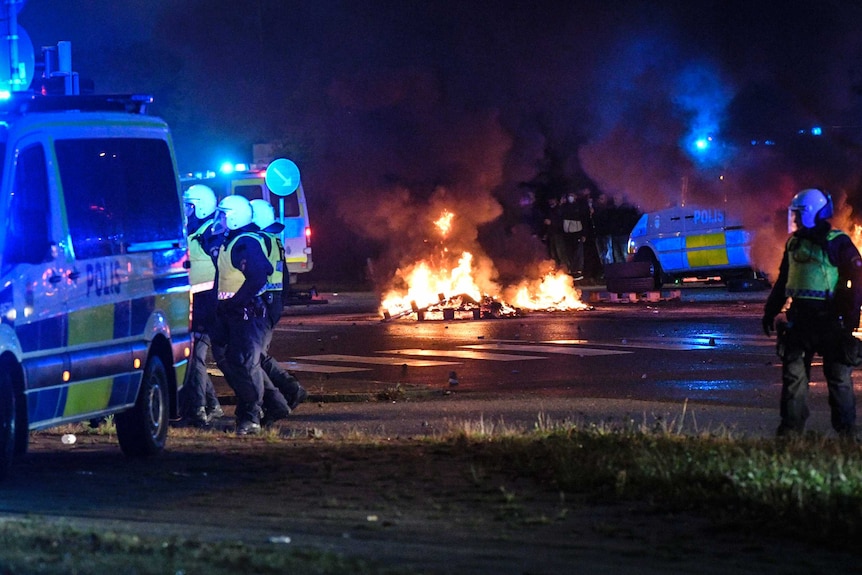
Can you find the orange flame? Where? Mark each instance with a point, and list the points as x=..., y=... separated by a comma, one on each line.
x=427, y=286
x=856, y=236
x=428, y=283
x=444, y=222
x=555, y=291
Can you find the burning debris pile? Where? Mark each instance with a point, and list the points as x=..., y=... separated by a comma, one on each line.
x=448, y=285
x=458, y=307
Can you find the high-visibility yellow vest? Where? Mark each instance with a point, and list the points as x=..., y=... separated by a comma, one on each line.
x=275, y=280
x=202, y=267
x=810, y=274
x=230, y=279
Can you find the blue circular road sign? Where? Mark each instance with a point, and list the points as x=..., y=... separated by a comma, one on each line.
x=282, y=177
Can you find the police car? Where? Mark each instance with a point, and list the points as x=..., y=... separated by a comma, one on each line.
x=291, y=208
x=694, y=242
x=94, y=286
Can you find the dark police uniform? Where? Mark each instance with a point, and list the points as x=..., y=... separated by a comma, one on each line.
x=242, y=271
x=821, y=271
x=198, y=392
x=284, y=381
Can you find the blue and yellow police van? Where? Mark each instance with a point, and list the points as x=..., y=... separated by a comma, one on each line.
x=94, y=286
x=694, y=243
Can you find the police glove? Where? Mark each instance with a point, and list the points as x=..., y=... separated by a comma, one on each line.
x=768, y=323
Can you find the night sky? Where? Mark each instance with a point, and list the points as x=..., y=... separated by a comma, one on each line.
x=394, y=110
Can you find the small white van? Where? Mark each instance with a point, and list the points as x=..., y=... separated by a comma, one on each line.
x=693, y=242
x=291, y=210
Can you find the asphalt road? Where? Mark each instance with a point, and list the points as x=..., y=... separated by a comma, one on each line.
x=693, y=364
x=696, y=362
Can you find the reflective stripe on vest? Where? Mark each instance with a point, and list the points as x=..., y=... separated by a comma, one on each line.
x=810, y=274
x=275, y=280
x=230, y=279
x=202, y=267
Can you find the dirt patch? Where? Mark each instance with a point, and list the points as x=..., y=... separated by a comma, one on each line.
x=405, y=503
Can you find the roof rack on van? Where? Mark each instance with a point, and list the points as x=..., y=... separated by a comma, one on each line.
x=129, y=103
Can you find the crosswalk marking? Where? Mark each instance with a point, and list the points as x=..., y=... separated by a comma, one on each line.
x=462, y=353
x=296, y=329
x=302, y=367
x=377, y=360
x=521, y=351
x=319, y=367
x=559, y=349
x=658, y=343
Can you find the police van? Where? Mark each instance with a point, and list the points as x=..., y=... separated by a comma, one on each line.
x=291, y=209
x=94, y=285
x=693, y=242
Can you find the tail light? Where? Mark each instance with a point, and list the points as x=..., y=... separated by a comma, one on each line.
x=307, y=236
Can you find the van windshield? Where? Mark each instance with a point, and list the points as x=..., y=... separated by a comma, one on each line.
x=118, y=192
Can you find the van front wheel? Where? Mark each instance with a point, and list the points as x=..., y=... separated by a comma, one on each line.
x=7, y=423
x=143, y=430
x=655, y=271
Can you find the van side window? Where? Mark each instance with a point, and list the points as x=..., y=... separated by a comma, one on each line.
x=27, y=232
x=118, y=192
x=249, y=192
x=291, y=205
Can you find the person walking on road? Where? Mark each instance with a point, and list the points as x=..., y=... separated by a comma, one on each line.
x=821, y=275
x=243, y=268
x=278, y=378
x=198, y=400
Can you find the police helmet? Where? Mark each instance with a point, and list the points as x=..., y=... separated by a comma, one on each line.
x=202, y=198
x=813, y=206
x=237, y=212
x=263, y=213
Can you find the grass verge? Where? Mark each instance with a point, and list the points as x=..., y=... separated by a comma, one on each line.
x=808, y=488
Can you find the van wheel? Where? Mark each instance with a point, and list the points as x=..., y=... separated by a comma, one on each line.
x=22, y=431
x=7, y=423
x=143, y=430
x=631, y=285
x=655, y=267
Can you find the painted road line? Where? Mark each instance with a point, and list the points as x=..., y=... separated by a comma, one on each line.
x=639, y=344
x=319, y=367
x=463, y=354
x=377, y=360
x=295, y=329
x=302, y=367
x=558, y=349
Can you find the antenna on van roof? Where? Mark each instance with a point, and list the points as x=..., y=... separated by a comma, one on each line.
x=683, y=192
x=16, y=51
x=58, y=64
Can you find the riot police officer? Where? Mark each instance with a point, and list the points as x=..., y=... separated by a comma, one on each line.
x=198, y=401
x=821, y=273
x=284, y=381
x=243, y=269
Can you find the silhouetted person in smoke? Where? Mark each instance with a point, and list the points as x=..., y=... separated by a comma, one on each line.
x=625, y=216
x=573, y=230
x=531, y=214
x=603, y=214
x=557, y=249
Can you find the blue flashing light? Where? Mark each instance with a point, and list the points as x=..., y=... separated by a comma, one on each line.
x=701, y=144
x=816, y=131
x=226, y=168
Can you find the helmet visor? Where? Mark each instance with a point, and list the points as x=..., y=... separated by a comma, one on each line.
x=189, y=209
x=219, y=226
